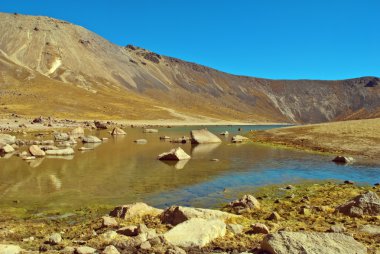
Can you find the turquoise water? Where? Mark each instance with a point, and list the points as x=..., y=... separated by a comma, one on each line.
x=120, y=171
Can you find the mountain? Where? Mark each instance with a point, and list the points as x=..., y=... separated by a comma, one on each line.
x=52, y=67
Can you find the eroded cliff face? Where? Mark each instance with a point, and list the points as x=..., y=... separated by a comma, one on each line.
x=47, y=57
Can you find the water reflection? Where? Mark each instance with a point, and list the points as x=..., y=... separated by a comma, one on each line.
x=203, y=149
x=176, y=164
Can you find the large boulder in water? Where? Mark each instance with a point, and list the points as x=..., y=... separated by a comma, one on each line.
x=175, y=154
x=343, y=159
x=118, y=131
x=311, y=243
x=196, y=232
x=7, y=139
x=91, y=139
x=177, y=214
x=203, y=136
x=364, y=204
x=132, y=210
x=36, y=151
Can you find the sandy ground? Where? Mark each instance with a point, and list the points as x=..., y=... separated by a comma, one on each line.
x=356, y=138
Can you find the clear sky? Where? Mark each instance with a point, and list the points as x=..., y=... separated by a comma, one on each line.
x=292, y=39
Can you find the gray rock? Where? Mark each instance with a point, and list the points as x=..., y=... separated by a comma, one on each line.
x=109, y=222
x=311, y=243
x=54, y=238
x=364, y=204
x=84, y=250
x=203, y=136
x=110, y=250
x=36, y=151
x=61, y=152
x=7, y=139
x=118, y=131
x=61, y=136
x=77, y=132
x=175, y=154
x=195, y=232
x=145, y=245
x=91, y=139
x=178, y=214
x=235, y=228
x=10, y=249
x=370, y=229
x=135, y=209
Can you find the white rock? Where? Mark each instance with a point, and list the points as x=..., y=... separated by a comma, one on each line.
x=175, y=154
x=36, y=151
x=135, y=209
x=203, y=137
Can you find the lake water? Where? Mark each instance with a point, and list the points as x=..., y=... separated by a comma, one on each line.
x=120, y=171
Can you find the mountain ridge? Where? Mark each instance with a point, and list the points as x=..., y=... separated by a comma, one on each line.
x=133, y=83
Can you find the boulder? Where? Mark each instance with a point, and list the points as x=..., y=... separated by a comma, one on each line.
x=91, y=139
x=36, y=151
x=128, y=231
x=10, y=249
x=136, y=209
x=6, y=148
x=66, y=151
x=109, y=222
x=7, y=139
x=175, y=154
x=164, y=137
x=100, y=125
x=203, y=136
x=84, y=250
x=259, y=228
x=311, y=243
x=196, y=232
x=364, y=204
x=150, y=130
x=61, y=136
x=141, y=141
x=343, y=159
x=247, y=202
x=54, y=239
x=177, y=214
x=77, y=132
x=110, y=249
x=239, y=139
x=118, y=131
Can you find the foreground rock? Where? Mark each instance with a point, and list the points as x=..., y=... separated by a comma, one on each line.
x=343, y=159
x=117, y=131
x=177, y=214
x=10, y=249
x=7, y=139
x=6, y=148
x=246, y=203
x=239, y=139
x=311, y=243
x=91, y=139
x=196, y=232
x=203, y=137
x=364, y=204
x=66, y=151
x=36, y=151
x=175, y=154
x=136, y=209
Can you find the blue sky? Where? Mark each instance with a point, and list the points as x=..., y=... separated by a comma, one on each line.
x=293, y=39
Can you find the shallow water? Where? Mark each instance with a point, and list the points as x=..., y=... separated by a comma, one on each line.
x=120, y=171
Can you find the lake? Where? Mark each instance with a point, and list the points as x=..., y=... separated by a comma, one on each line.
x=120, y=171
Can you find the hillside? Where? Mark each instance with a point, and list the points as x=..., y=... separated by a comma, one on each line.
x=53, y=68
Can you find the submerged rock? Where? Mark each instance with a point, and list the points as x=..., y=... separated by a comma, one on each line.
x=196, y=232
x=311, y=243
x=175, y=154
x=203, y=137
x=177, y=214
x=141, y=141
x=132, y=210
x=150, y=130
x=364, y=204
x=118, y=131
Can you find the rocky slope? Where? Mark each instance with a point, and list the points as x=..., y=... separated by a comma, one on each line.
x=51, y=67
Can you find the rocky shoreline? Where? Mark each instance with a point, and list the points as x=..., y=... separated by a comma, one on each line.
x=309, y=218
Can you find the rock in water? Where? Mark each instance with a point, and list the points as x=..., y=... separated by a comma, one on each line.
x=61, y=136
x=177, y=214
x=66, y=151
x=195, y=232
x=141, y=141
x=36, y=151
x=311, y=243
x=203, y=137
x=175, y=154
x=100, y=125
x=91, y=139
x=77, y=132
x=343, y=159
x=239, y=139
x=150, y=131
x=364, y=204
x=132, y=210
x=6, y=149
x=10, y=249
x=118, y=131
x=7, y=139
